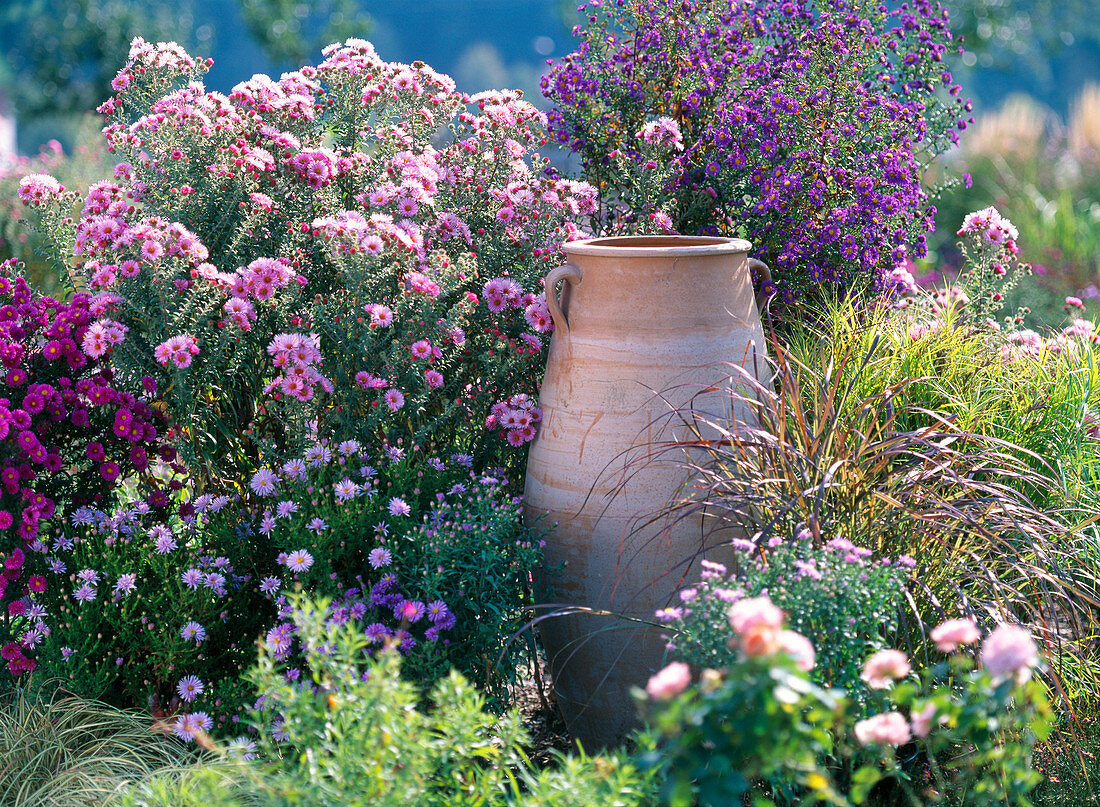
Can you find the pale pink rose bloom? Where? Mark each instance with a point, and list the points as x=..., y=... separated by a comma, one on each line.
x=754, y=612
x=923, y=718
x=1009, y=651
x=669, y=682
x=888, y=728
x=799, y=648
x=885, y=667
x=951, y=633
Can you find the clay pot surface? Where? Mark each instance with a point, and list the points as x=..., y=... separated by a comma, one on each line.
x=645, y=325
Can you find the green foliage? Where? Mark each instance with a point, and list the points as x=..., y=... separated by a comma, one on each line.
x=57, y=750
x=759, y=719
x=354, y=736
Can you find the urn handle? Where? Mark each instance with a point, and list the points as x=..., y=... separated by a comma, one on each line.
x=763, y=270
x=570, y=274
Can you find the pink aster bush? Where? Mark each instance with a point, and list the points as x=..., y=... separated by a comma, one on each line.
x=953, y=728
x=837, y=598
x=367, y=209
x=130, y=605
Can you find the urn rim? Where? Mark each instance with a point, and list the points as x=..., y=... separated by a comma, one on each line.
x=654, y=246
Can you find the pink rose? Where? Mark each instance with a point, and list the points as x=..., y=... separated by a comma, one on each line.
x=669, y=682
x=754, y=612
x=922, y=718
x=888, y=728
x=885, y=667
x=799, y=648
x=1009, y=651
x=950, y=634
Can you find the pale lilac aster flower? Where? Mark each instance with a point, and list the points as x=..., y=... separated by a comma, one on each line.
x=202, y=721
x=241, y=748
x=379, y=557
x=165, y=544
x=264, y=482
x=398, y=507
x=193, y=631
x=317, y=526
x=126, y=584
x=192, y=578
x=85, y=593
x=190, y=687
x=269, y=585
x=299, y=561
x=345, y=489
x=286, y=509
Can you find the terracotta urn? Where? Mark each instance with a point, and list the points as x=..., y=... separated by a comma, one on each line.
x=645, y=326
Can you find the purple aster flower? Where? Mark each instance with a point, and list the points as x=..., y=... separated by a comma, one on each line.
x=398, y=507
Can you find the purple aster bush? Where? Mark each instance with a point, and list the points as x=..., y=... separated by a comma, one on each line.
x=800, y=125
x=356, y=243
x=420, y=550
x=124, y=605
x=136, y=603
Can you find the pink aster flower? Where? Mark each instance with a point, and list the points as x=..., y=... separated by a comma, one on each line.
x=754, y=612
x=923, y=718
x=799, y=648
x=394, y=399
